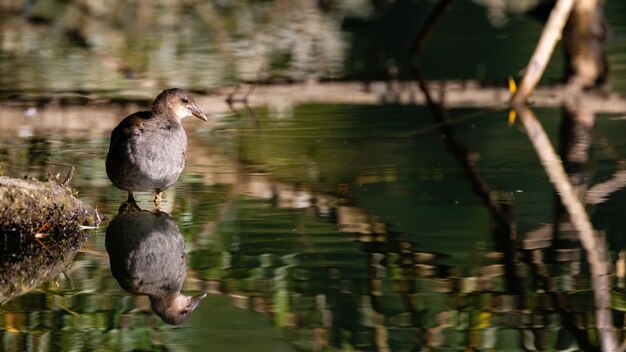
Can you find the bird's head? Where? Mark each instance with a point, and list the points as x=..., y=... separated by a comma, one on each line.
x=178, y=103
x=177, y=308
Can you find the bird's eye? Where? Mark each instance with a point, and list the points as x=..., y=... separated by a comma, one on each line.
x=185, y=100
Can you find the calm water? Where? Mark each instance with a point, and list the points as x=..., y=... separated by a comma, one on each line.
x=334, y=228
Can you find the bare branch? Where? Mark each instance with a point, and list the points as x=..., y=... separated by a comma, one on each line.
x=593, y=243
x=69, y=176
x=428, y=27
x=549, y=37
x=600, y=192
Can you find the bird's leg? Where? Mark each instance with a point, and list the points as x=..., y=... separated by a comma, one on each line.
x=157, y=200
x=130, y=205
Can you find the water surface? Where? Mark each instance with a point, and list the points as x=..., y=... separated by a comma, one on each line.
x=334, y=227
x=339, y=227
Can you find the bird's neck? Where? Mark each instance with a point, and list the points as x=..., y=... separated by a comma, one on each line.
x=164, y=112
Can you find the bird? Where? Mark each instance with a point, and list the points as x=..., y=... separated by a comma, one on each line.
x=147, y=148
x=147, y=257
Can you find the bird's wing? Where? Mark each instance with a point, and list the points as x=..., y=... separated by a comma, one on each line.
x=127, y=128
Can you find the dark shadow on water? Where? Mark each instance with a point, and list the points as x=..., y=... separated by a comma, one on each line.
x=28, y=260
x=147, y=257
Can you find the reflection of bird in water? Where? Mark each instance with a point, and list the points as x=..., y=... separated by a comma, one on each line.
x=147, y=257
x=147, y=150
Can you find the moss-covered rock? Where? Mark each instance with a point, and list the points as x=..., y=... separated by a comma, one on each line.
x=30, y=206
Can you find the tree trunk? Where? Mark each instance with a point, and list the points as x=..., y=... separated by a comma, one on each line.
x=583, y=39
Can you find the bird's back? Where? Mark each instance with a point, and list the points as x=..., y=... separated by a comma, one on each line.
x=146, y=253
x=146, y=153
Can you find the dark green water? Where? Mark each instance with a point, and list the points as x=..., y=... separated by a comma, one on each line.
x=53, y=46
x=334, y=228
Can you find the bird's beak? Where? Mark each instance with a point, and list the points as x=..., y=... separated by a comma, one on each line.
x=195, y=301
x=195, y=111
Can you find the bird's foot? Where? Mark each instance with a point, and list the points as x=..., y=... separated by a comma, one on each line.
x=157, y=200
x=131, y=198
x=129, y=206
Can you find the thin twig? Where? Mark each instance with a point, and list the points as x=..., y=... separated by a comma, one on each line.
x=68, y=277
x=69, y=176
x=499, y=212
x=231, y=100
x=601, y=191
x=551, y=34
x=428, y=27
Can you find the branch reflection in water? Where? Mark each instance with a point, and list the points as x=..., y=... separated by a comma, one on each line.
x=147, y=257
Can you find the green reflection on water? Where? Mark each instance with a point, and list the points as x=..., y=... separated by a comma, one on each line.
x=67, y=46
x=334, y=227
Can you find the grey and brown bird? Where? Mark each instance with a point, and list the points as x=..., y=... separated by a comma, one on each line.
x=147, y=257
x=148, y=148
